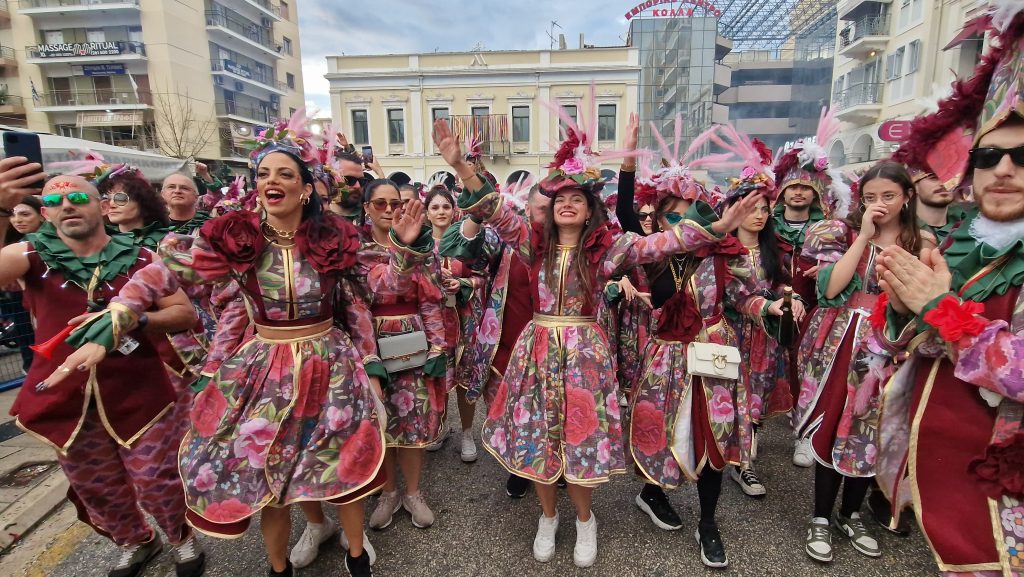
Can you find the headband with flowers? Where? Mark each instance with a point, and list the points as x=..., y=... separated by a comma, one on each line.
x=292, y=136
x=235, y=197
x=91, y=166
x=751, y=156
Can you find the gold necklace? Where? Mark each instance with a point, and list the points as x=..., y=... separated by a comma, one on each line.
x=280, y=234
x=677, y=276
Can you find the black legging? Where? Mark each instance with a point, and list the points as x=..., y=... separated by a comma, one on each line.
x=826, y=489
x=709, y=487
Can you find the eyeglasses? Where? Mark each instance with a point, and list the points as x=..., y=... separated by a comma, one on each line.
x=55, y=200
x=383, y=204
x=645, y=215
x=989, y=157
x=120, y=199
x=353, y=180
x=673, y=218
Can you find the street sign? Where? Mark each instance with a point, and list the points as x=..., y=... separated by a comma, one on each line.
x=894, y=130
x=103, y=69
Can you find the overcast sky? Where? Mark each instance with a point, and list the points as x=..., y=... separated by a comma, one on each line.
x=334, y=27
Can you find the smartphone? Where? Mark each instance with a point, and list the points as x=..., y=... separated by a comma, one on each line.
x=367, y=154
x=24, y=144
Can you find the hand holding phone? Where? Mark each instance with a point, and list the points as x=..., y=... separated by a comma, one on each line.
x=368, y=155
x=26, y=146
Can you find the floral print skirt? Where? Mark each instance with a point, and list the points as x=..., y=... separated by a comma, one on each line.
x=277, y=424
x=414, y=402
x=680, y=424
x=556, y=412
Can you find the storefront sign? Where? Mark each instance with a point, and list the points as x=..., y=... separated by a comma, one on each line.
x=894, y=130
x=667, y=9
x=83, y=49
x=127, y=118
x=236, y=68
x=103, y=69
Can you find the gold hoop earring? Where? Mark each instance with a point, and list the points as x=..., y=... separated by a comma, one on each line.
x=305, y=200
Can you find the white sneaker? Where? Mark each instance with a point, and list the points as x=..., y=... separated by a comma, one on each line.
x=585, y=552
x=367, y=546
x=819, y=540
x=315, y=534
x=804, y=454
x=468, y=452
x=544, y=542
x=441, y=438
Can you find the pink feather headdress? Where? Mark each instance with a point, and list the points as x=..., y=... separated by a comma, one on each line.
x=807, y=163
x=474, y=146
x=90, y=165
x=750, y=156
x=236, y=197
x=674, y=176
x=292, y=136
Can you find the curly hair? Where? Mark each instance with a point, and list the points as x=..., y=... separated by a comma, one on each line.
x=152, y=207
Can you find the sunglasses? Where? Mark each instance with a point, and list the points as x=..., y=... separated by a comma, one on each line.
x=673, y=218
x=382, y=204
x=120, y=199
x=55, y=200
x=989, y=157
x=353, y=180
x=645, y=215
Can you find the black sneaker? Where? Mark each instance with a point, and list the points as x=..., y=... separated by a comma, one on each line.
x=189, y=559
x=135, y=558
x=653, y=501
x=561, y=483
x=358, y=566
x=881, y=512
x=516, y=486
x=712, y=550
x=289, y=571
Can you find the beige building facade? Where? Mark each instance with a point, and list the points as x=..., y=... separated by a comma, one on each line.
x=189, y=79
x=890, y=68
x=389, y=102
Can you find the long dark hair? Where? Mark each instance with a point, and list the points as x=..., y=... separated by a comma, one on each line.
x=597, y=220
x=152, y=207
x=910, y=235
x=768, y=245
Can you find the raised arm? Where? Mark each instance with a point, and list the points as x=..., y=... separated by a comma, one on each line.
x=624, y=209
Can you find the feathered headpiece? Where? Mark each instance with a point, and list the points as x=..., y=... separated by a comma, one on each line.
x=940, y=142
x=236, y=197
x=750, y=156
x=292, y=136
x=577, y=164
x=674, y=176
x=91, y=166
x=807, y=163
x=518, y=192
x=474, y=147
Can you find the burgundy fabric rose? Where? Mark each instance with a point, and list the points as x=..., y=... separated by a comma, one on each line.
x=680, y=320
x=237, y=237
x=956, y=320
x=648, y=433
x=360, y=455
x=580, y=415
x=1001, y=470
x=728, y=246
x=597, y=244
x=330, y=243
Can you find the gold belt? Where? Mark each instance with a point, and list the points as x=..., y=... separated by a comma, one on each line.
x=557, y=321
x=293, y=334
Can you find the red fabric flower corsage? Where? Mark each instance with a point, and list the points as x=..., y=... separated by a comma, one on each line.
x=956, y=320
x=237, y=237
x=329, y=243
x=1001, y=470
x=877, y=318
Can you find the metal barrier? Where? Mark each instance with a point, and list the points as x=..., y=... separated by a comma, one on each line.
x=16, y=336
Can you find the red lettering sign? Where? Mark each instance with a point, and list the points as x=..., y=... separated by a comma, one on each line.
x=894, y=130
x=709, y=8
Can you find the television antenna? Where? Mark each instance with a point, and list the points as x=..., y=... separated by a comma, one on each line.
x=551, y=33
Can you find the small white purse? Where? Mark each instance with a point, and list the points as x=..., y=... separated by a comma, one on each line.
x=713, y=361
x=403, y=352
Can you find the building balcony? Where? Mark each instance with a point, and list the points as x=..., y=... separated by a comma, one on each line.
x=5, y=11
x=235, y=76
x=493, y=130
x=86, y=52
x=12, y=105
x=241, y=35
x=723, y=78
x=864, y=38
x=73, y=7
x=268, y=8
x=852, y=10
x=82, y=100
x=251, y=114
x=7, y=57
x=859, y=104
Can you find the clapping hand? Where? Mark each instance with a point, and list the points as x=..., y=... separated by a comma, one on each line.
x=408, y=223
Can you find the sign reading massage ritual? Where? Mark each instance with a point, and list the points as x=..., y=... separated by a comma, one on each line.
x=668, y=9
x=80, y=49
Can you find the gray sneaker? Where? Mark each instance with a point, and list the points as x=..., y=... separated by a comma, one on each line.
x=422, y=516
x=854, y=529
x=387, y=505
x=819, y=540
x=134, y=558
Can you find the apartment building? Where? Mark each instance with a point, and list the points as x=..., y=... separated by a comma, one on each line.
x=390, y=101
x=890, y=66
x=189, y=79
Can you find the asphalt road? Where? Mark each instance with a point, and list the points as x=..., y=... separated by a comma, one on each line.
x=480, y=531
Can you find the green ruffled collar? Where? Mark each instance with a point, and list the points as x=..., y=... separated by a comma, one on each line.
x=150, y=235
x=191, y=226
x=116, y=258
x=966, y=257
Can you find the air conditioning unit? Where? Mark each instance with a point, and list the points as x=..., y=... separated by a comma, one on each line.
x=218, y=80
x=239, y=87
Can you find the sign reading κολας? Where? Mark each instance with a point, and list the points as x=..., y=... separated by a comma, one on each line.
x=656, y=9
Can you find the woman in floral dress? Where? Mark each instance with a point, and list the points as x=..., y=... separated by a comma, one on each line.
x=291, y=412
x=463, y=309
x=414, y=398
x=843, y=370
x=556, y=412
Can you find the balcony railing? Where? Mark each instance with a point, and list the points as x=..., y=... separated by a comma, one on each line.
x=82, y=49
x=871, y=26
x=268, y=6
x=4, y=9
x=7, y=53
x=857, y=95
x=11, y=100
x=95, y=98
x=249, y=30
x=493, y=131
x=258, y=114
x=67, y=3
x=256, y=75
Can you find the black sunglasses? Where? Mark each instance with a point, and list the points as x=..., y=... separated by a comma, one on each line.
x=352, y=180
x=989, y=157
x=644, y=215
